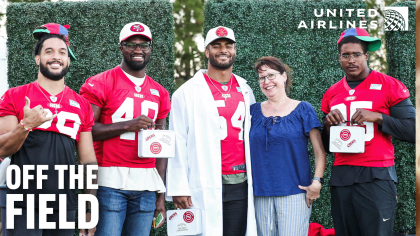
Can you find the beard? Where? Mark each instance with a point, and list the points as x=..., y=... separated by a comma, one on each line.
x=219, y=65
x=50, y=75
x=136, y=65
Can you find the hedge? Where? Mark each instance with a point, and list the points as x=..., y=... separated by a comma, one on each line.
x=401, y=58
x=94, y=38
x=270, y=28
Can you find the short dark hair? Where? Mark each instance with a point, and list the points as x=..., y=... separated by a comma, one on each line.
x=353, y=39
x=275, y=64
x=40, y=43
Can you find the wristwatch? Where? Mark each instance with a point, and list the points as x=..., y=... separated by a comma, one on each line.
x=321, y=180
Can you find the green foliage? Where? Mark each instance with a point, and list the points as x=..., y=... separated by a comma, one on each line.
x=401, y=59
x=270, y=28
x=94, y=38
x=3, y=4
x=189, y=19
x=29, y=1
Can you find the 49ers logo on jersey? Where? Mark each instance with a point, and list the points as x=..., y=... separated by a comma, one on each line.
x=221, y=32
x=345, y=134
x=137, y=28
x=155, y=148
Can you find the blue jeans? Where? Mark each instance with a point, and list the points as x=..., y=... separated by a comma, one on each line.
x=124, y=212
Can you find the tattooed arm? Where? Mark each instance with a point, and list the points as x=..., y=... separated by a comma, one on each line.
x=87, y=157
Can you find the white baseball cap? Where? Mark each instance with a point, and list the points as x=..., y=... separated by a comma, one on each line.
x=220, y=32
x=135, y=28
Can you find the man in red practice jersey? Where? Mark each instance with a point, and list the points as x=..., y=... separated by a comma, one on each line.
x=125, y=100
x=40, y=123
x=363, y=185
x=211, y=169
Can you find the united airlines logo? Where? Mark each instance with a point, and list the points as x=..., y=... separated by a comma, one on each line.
x=396, y=19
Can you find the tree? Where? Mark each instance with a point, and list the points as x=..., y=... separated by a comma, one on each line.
x=188, y=21
x=378, y=58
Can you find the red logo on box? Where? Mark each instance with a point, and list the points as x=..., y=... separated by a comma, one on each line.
x=172, y=216
x=150, y=136
x=345, y=134
x=188, y=217
x=155, y=148
x=351, y=143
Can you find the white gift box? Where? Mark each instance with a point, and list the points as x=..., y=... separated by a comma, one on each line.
x=347, y=139
x=184, y=222
x=156, y=144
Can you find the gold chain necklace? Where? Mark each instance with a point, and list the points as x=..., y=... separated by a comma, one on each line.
x=224, y=95
x=55, y=106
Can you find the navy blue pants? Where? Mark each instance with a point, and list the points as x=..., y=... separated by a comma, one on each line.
x=235, y=209
x=366, y=209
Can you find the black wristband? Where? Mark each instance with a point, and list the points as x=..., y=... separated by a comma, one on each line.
x=88, y=211
x=321, y=180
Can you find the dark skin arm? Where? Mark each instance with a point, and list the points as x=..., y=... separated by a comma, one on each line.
x=333, y=118
x=87, y=157
x=106, y=131
x=361, y=115
x=161, y=164
x=12, y=134
x=400, y=124
x=182, y=202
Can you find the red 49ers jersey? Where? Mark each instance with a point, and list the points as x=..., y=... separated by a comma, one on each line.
x=232, y=116
x=74, y=113
x=377, y=93
x=121, y=100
